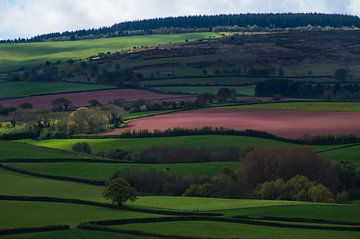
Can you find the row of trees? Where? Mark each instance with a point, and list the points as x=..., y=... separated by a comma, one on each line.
x=281, y=20
x=300, y=89
x=269, y=173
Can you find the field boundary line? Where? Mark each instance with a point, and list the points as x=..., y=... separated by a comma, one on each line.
x=50, y=228
x=101, y=204
x=337, y=148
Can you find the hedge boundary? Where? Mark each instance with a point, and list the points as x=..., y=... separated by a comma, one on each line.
x=34, y=229
x=59, y=178
x=105, y=205
x=256, y=222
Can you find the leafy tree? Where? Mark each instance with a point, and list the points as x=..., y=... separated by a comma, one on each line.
x=26, y=106
x=94, y=103
x=87, y=121
x=119, y=191
x=198, y=190
x=226, y=94
x=82, y=147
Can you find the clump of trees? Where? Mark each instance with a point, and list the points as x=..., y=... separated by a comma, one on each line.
x=82, y=147
x=300, y=89
x=298, y=188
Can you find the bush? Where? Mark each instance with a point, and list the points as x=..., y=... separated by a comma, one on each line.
x=298, y=188
x=199, y=190
x=82, y=147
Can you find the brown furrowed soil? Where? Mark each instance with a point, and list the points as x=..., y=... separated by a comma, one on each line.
x=289, y=124
x=103, y=96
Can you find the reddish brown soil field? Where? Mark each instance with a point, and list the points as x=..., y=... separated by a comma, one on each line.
x=82, y=98
x=289, y=124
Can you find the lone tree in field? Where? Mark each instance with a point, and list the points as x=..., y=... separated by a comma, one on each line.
x=82, y=147
x=119, y=191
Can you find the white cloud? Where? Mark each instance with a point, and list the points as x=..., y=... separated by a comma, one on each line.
x=30, y=17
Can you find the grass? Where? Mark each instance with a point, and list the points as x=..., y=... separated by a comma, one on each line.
x=138, y=115
x=206, y=229
x=11, y=89
x=19, y=185
x=14, y=56
x=197, y=90
x=304, y=106
x=13, y=150
x=75, y=234
x=204, y=204
x=203, y=141
x=329, y=212
x=105, y=171
x=34, y=214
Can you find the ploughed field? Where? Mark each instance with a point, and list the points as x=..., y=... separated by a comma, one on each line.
x=82, y=98
x=288, y=124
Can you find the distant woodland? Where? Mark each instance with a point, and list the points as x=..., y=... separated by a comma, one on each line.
x=204, y=23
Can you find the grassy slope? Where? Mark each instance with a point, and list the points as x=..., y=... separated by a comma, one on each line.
x=12, y=150
x=105, y=171
x=330, y=212
x=75, y=234
x=22, y=54
x=241, y=90
x=235, y=230
x=20, y=185
x=204, y=204
x=9, y=89
x=33, y=214
x=306, y=106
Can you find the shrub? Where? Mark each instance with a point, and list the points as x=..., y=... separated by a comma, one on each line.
x=82, y=147
x=342, y=197
x=199, y=190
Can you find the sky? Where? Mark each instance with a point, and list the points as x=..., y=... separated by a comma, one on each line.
x=26, y=18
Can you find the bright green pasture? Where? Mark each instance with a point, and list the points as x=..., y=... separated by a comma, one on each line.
x=11, y=89
x=134, y=144
x=34, y=214
x=350, y=154
x=106, y=170
x=22, y=185
x=22, y=54
x=304, y=106
x=75, y=234
x=197, y=90
x=203, y=141
x=206, y=229
x=204, y=204
x=13, y=150
x=329, y=212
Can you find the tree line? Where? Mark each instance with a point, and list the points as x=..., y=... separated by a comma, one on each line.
x=203, y=22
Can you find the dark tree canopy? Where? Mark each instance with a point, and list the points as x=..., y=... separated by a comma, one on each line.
x=281, y=20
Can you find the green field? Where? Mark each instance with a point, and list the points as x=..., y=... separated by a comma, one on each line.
x=196, y=90
x=329, y=212
x=138, y=115
x=11, y=89
x=14, y=56
x=12, y=150
x=131, y=144
x=75, y=234
x=20, y=185
x=204, y=204
x=304, y=106
x=16, y=214
x=206, y=229
x=106, y=170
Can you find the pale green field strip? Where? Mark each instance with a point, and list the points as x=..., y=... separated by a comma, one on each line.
x=15, y=184
x=304, y=106
x=204, y=204
x=15, y=214
x=206, y=229
x=11, y=89
x=104, y=171
x=22, y=54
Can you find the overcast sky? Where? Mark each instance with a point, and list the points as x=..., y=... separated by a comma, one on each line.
x=25, y=18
